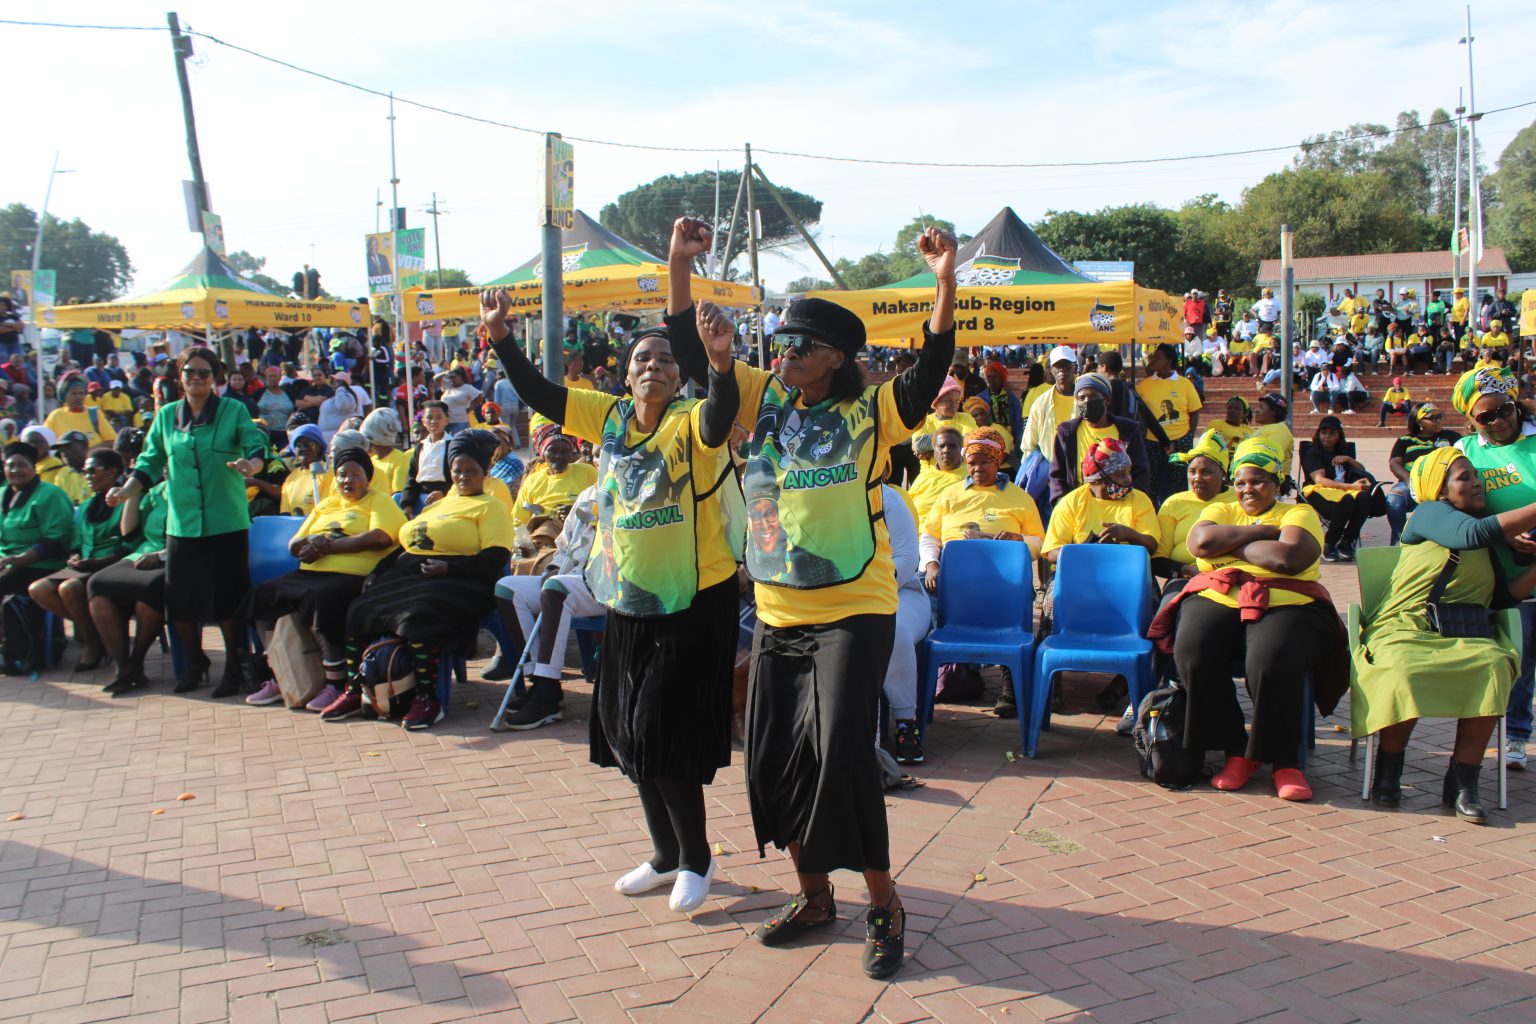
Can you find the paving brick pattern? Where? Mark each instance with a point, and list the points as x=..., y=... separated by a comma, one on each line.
x=354, y=872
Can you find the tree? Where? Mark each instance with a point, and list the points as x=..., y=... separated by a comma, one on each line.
x=1145, y=233
x=871, y=271
x=643, y=216
x=91, y=266
x=452, y=277
x=808, y=284
x=1512, y=216
x=249, y=267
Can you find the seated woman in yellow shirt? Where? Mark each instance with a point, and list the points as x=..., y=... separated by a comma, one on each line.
x=308, y=483
x=942, y=468
x=946, y=411
x=1206, y=466
x=980, y=410
x=74, y=414
x=339, y=544
x=1237, y=424
x=553, y=483
x=435, y=593
x=985, y=506
x=1106, y=509
x=391, y=464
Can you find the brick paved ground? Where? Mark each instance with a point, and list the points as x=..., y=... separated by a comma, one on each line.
x=356, y=872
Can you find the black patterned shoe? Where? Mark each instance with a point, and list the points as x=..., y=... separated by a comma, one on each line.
x=885, y=944
x=800, y=915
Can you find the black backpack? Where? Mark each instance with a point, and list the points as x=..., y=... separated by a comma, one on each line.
x=23, y=649
x=1159, y=739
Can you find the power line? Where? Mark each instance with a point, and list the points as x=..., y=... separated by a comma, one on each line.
x=793, y=154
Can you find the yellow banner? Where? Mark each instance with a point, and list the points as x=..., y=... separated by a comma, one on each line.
x=1101, y=313
x=197, y=310
x=599, y=288
x=1528, y=313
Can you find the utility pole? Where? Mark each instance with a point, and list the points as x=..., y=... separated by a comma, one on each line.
x=437, y=241
x=1287, y=319
x=757, y=281
x=181, y=48
x=378, y=210
x=1456, y=215
x=37, y=260
x=714, y=235
x=394, y=248
x=1475, y=212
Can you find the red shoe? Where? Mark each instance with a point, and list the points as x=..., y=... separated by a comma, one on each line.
x=1290, y=784
x=426, y=711
x=1234, y=775
x=349, y=704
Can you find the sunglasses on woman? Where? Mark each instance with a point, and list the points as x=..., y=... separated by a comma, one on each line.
x=801, y=344
x=1490, y=418
x=196, y=373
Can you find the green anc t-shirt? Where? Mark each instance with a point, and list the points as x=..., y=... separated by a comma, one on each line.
x=1509, y=475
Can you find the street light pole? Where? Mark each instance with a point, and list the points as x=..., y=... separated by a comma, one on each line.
x=1475, y=211
x=437, y=239
x=1287, y=319
x=394, y=248
x=37, y=261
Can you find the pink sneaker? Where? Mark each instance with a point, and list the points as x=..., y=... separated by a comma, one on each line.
x=324, y=699
x=268, y=694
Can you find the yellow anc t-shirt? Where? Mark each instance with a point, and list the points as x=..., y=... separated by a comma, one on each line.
x=550, y=491
x=61, y=421
x=459, y=526
x=298, y=492
x=338, y=516
x=1171, y=400
x=873, y=592
x=930, y=484
x=1001, y=508
x=1494, y=339
x=1263, y=342
x=961, y=421
x=1079, y=514
x=393, y=471
x=1279, y=515
x=114, y=403
x=1232, y=433
x=1395, y=396
x=1089, y=435
x=1179, y=513
x=586, y=413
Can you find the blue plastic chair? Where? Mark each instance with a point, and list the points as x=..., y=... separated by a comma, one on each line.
x=269, y=540
x=1103, y=606
x=986, y=615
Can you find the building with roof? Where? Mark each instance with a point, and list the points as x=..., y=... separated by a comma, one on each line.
x=1422, y=272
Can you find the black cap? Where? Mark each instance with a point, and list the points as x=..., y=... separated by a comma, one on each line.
x=833, y=324
x=71, y=436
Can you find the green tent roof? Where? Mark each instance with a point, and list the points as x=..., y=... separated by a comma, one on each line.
x=1005, y=252
x=585, y=246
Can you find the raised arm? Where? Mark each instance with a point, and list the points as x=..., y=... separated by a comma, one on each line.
x=690, y=238
x=919, y=384
x=540, y=394
x=717, y=332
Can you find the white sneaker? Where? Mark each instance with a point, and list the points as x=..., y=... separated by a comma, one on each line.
x=690, y=890
x=1514, y=753
x=643, y=879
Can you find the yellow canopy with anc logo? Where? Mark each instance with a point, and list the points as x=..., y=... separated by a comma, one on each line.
x=1092, y=313
x=601, y=271
x=207, y=293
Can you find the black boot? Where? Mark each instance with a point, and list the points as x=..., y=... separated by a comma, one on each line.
x=232, y=681
x=1461, y=792
x=1387, y=790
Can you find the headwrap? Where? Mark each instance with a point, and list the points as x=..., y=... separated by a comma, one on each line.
x=1424, y=409
x=382, y=426
x=72, y=381
x=1426, y=477
x=1210, y=444
x=476, y=444
x=1240, y=400
x=1474, y=384
x=490, y=407
x=977, y=402
x=998, y=366
x=922, y=444
x=347, y=439
x=949, y=387
x=1258, y=452
x=543, y=434
x=357, y=455
x=1105, y=458
x=986, y=441
x=1093, y=382
x=23, y=449
x=308, y=430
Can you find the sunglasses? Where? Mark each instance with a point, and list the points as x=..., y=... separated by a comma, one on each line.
x=800, y=344
x=196, y=373
x=1489, y=418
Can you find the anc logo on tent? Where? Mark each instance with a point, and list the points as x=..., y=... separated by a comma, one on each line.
x=186, y=310
x=425, y=303
x=648, y=283
x=1102, y=316
x=221, y=308
x=570, y=259
x=982, y=269
x=357, y=315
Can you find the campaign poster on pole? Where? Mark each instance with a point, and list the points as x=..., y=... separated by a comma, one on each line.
x=411, y=258
x=213, y=233
x=559, y=183
x=21, y=288
x=45, y=289
x=381, y=263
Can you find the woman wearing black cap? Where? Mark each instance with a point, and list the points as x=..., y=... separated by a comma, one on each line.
x=435, y=592
x=206, y=447
x=338, y=545
x=819, y=449
x=661, y=708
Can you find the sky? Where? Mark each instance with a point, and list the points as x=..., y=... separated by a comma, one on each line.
x=296, y=165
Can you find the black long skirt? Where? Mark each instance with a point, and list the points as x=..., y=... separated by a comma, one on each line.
x=206, y=578
x=661, y=707
x=397, y=600
x=318, y=598
x=812, y=776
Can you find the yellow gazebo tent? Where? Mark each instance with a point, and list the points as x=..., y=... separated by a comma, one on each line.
x=1015, y=291
x=601, y=271
x=207, y=295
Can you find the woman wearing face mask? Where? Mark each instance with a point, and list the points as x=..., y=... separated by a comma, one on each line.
x=1091, y=424
x=1256, y=598
x=1106, y=509
x=1502, y=447
x=663, y=567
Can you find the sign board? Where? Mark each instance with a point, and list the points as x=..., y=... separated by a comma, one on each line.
x=1528, y=313
x=381, y=263
x=411, y=258
x=45, y=289
x=213, y=233
x=559, y=202
x=1107, y=270
x=21, y=288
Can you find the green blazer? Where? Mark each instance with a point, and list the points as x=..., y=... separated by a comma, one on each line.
x=205, y=497
x=98, y=540
x=43, y=515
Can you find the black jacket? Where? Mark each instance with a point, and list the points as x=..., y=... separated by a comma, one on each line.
x=1066, y=461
